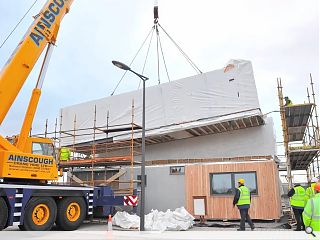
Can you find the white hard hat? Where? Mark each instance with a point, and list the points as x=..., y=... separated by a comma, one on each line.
x=314, y=179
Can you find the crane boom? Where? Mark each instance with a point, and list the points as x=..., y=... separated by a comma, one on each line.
x=26, y=157
x=43, y=30
x=27, y=163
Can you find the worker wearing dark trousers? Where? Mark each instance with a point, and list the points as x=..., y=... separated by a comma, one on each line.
x=242, y=199
x=297, y=197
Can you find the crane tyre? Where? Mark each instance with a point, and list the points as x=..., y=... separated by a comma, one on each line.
x=40, y=214
x=21, y=228
x=71, y=213
x=3, y=214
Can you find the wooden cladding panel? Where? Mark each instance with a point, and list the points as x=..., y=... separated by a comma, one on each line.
x=265, y=205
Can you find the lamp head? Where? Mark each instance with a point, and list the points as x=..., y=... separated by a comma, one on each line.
x=121, y=65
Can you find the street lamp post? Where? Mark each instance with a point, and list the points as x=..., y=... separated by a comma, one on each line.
x=143, y=143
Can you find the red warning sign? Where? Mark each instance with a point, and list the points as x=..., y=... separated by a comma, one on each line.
x=130, y=200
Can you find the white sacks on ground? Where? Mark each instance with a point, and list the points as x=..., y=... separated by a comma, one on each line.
x=126, y=220
x=176, y=220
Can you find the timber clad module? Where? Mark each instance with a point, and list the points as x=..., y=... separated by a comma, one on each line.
x=266, y=204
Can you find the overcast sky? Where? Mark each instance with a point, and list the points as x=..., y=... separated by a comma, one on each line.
x=280, y=37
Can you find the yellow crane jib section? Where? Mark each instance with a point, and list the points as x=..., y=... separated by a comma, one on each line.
x=6, y=145
x=27, y=166
x=44, y=30
x=36, y=93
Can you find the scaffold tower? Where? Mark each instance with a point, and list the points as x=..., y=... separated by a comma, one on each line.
x=300, y=128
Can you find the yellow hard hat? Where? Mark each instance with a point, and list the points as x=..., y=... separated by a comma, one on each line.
x=241, y=180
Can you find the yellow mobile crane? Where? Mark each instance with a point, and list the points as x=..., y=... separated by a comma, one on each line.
x=27, y=199
x=25, y=157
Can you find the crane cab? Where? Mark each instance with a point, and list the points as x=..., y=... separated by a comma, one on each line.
x=36, y=161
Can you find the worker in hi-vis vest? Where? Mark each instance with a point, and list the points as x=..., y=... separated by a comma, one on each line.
x=311, y=213
x=297, y=197
x=310, y=190
x=288, y=102
x=242, y=199
x=65, y=154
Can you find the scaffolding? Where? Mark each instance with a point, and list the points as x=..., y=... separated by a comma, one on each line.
x=100, y=160
x=300, y=128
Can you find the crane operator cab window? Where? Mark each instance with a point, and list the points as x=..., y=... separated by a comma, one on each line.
x=43, y=149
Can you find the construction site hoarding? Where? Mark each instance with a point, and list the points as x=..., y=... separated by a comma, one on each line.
x=209, y=97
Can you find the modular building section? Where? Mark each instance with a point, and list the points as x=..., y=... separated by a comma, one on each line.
x=38, y=207
x=195, y=120
x=252, y=141
x=216, y=182
x=171, y=186
x=163, y=190
x=219, y=96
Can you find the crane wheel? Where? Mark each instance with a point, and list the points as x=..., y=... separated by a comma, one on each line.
x=40, y=214
x=71, y=213
x=3, y=214
x=21, y=228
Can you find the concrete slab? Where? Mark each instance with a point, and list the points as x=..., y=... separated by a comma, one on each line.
x=135, y=235
x=88, y=231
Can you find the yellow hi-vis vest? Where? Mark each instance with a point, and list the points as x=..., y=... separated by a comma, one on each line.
x=310, y=191
x=289, y=103
x=311, y=213
x=298, y=199
x=244, y=196
x=64, y=154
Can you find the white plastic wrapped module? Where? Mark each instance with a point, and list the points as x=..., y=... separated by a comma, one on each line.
x=213, y=96
x=177, y=220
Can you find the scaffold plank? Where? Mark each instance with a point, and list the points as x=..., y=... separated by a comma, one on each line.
x=297, y=117
x=301, y=158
